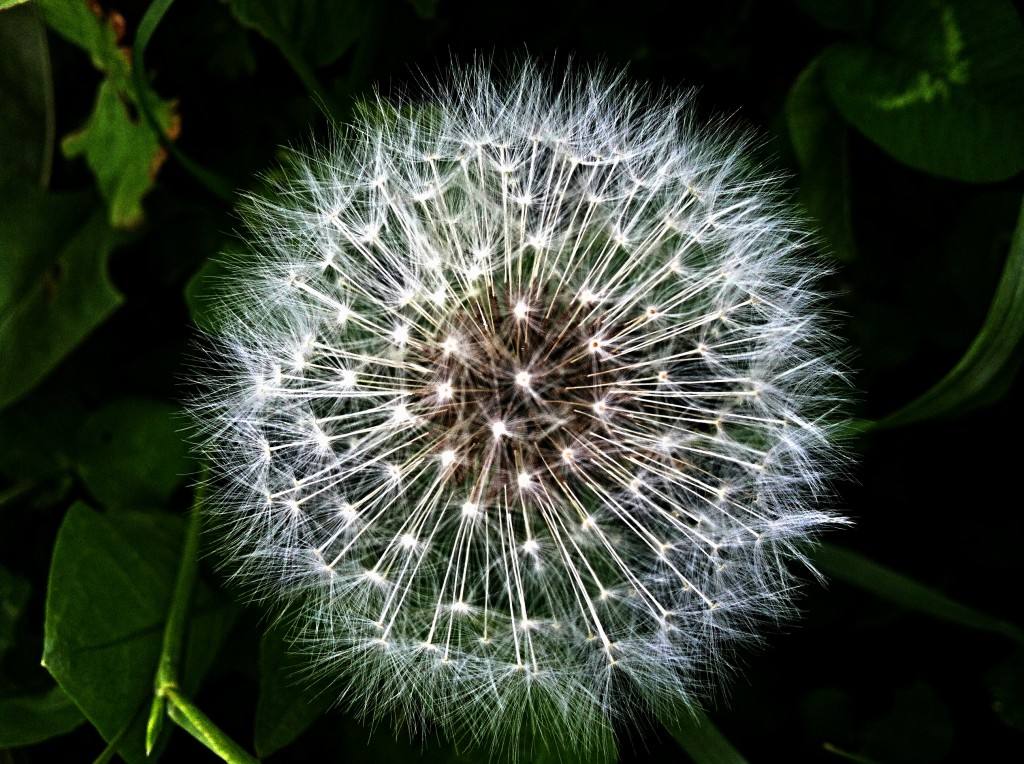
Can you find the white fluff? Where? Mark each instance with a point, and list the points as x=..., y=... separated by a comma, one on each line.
x=523, y=406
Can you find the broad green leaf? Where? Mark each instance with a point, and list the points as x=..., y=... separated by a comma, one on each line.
x=5, y=4
x=990, y=354
x=841, y=15
x=122, y=149
x=701, y=739
x=819, y=138
x=111, y=579
x=286, y=707
x=919, y=729
x=317, y=31
x=34, y=226
x=53, y=294
x=26, y=96
x=1006, y=682
x=940, y=86
x=29, y=719
x=859, y=571
x=132, y=453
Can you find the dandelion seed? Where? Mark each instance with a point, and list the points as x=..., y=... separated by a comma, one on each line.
x=554, y=413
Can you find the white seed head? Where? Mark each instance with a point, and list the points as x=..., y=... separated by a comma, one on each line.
x=570, y=388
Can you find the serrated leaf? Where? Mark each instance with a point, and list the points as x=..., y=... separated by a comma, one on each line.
x=318, y=31
x=54, y=288
x=131, y=453
x=30, y=719
x=26, y=96
x=939, y=87
x=989, y=355
x=120, y=147
x=111, y=579
x=853, y=568
x=286, y=708
x=121, y=150
x=819, y=138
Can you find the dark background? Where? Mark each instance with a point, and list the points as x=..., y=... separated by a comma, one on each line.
x=938, y=500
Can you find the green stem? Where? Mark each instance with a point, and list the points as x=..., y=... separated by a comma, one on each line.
x=219, y=186
x=191, y=718
x=177, y=617
x=167, y=695
x=177, y=622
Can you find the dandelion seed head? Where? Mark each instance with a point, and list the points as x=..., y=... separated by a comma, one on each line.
x=538, y=374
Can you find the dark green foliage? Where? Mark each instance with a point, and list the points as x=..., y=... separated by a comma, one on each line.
x=125, y=126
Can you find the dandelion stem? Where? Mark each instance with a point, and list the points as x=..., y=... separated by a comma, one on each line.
x=168, y=697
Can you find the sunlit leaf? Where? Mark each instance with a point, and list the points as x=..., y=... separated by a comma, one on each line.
x=939, y=86
x=989, y=355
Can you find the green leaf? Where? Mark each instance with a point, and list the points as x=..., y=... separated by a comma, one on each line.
x=26, y=96
x=111, y=579
x=990, y=354
x=939, y=87
x=819, y=138
x=317, y=31
x=855, y=569
x=701, y=739
x=31, y=719
x=14, y=592
x=122, y=149
x=5, y=4
x=286, y=708
x=1006, y=682
x=840, y=15
x=54, y=289
x=131, y=453
x=919, y=729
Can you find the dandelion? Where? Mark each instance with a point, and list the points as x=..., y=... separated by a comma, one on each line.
x=522, y=406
